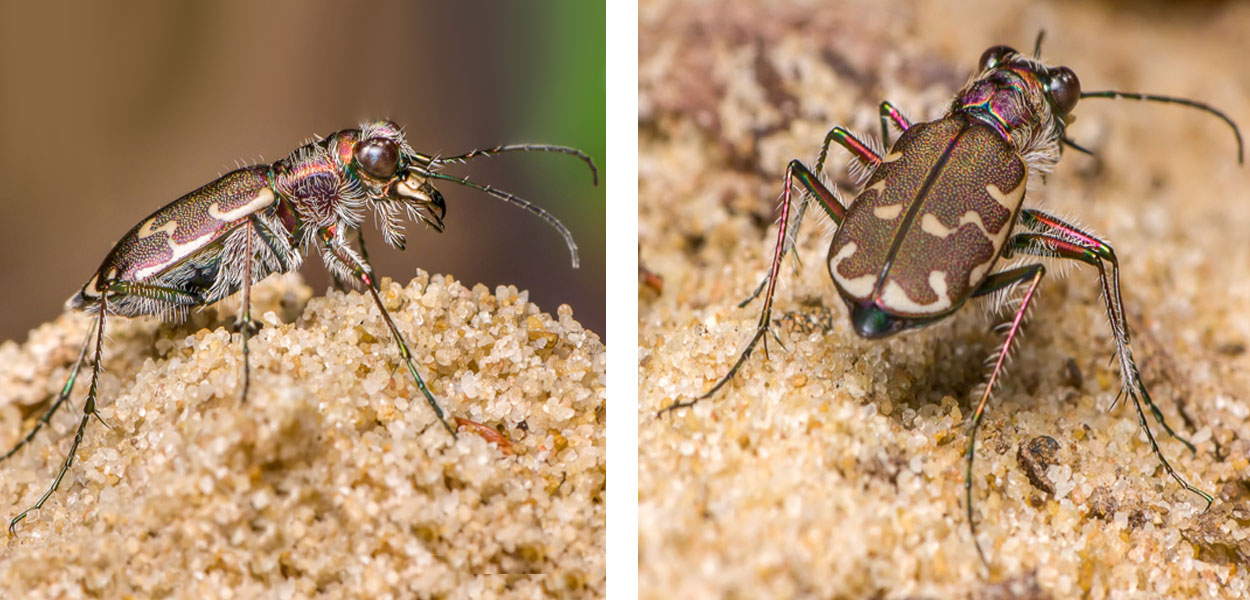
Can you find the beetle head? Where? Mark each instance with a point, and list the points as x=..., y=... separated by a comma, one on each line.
x=391, y=171
x=1020, y=96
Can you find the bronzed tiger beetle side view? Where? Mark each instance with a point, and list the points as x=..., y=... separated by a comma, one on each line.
x=937, y=212
x=262, y=219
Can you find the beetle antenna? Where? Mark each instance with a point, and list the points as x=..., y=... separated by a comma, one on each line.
x=594, y=171
x=517, y=200
x=1037, y=45
x=1067, y=141
x=1171, y=100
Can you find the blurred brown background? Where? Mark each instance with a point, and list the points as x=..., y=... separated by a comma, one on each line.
x=110, y=111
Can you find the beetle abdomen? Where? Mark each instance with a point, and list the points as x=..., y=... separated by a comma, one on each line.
x=161, y=243
x=929, y=224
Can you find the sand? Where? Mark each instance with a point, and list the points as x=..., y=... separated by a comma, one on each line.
x=334, y=479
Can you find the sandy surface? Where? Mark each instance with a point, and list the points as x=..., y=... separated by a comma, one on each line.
x=834, y=468
x=334, y=479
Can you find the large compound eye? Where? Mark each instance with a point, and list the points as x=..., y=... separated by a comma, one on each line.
x=378, y=157
x=995, y=56
x=1064, y=89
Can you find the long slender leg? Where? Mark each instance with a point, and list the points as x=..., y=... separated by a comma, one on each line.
x=811, y=181
x=364, y=274
x=60, y=399
x=889, y=113
x=1089, y=249
x=245, y=314
x=1068, y=246
x=832, y=207
x=88, y=410
x=998, y=281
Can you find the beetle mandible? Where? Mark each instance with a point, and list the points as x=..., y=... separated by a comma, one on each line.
x=262, y=219
x=937, y=212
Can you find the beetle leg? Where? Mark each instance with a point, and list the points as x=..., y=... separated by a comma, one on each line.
x=245, y=312
x=1069, y=242
x=836, y=211
x=889, y=112
x=60, y=399
x=1091, y=250
x=815, y=188
x=995, y=282
x=88, y=409
x=829, y=202
x=349, y=262
x=340, y=283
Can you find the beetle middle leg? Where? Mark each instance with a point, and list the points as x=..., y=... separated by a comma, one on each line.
x=833, y=208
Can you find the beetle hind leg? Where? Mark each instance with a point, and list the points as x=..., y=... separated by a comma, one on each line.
x=61, y=398
x=88, y=410
x=995, y=283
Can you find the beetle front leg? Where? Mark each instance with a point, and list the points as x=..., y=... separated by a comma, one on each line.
x=889, y=113
x=347, y=261
x=836, y=211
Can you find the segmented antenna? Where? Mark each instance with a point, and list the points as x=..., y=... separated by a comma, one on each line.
x=594, y=171
x=1170, y=100
x=437, y=162
x=518, y=201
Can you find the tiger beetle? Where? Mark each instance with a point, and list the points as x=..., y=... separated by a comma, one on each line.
x=938, y=210
x=262, y=219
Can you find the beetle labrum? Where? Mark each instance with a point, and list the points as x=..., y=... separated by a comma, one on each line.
x=262, y=219
x=936, y=213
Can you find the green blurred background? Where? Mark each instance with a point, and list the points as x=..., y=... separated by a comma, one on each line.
x=110, y=111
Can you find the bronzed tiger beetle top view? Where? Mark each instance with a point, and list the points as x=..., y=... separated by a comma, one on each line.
x=263, y=219
x=939, y=210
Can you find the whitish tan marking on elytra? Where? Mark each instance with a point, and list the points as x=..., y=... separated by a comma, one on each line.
x=891, y=157
x=931, y=225
x=1010, y=200
x=861, y=286
x=180, y=252
x=90, y=289
x=894, y=298
x=879, y=187
x=147, y=229
x=262, y=199
x=974, y=276
x=887, y=212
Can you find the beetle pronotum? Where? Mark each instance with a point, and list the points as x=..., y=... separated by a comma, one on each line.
x=938, y=210
x=262, y=219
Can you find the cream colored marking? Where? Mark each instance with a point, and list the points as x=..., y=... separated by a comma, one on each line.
x=887, y=212
x=180, y=252
x=861, y=286
x=974, y=276
x=262, y=199
x=90, y=289
x=1010, y=200
x=891, y=157
x=894, y=298
x=878, y=186
x=147, y=229
x=931, y=225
